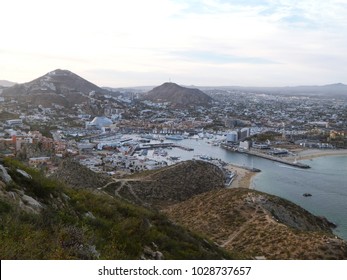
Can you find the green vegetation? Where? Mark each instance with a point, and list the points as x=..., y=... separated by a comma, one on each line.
x=269, y=135
x=86, y=224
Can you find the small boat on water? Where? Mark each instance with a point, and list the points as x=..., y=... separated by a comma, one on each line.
x=307, y=194
x=174, y=158
x=174, y=137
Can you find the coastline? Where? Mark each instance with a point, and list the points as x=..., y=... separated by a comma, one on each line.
x=314, y=153
x=243, y=177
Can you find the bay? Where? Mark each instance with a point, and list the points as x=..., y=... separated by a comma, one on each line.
x=326, y=180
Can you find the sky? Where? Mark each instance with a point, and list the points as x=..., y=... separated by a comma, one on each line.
x=204, y=43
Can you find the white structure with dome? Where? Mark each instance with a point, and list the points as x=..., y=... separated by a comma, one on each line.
x=99, y=123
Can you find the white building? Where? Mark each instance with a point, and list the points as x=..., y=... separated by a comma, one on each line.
x=232, y=136
x=14, y=122
x=244, y=133
x=98, y=123
x=244, y=145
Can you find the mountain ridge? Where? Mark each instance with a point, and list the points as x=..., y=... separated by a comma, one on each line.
x=61, y=87
x=56, y=81
x=329, y=90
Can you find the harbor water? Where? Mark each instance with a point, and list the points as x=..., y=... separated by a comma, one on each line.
x=326, y=180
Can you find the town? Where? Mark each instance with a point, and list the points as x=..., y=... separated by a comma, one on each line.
x=120, y=131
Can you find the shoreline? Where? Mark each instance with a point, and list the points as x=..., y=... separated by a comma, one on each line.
x=315, y=153
x=243, y=177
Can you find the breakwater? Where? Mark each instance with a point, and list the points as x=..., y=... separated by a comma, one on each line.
x=266, y=156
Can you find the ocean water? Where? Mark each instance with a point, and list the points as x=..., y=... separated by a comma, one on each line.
x=326, y=180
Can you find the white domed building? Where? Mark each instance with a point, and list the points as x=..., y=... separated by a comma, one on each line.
x=99, y=123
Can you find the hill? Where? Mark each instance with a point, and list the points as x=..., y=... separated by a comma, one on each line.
x=98, y=218
x=60, y=87
x=69, y=172
x=5, y=83
x=168, y=185
x=44, y=219
x=258, y=224
x=178, y=96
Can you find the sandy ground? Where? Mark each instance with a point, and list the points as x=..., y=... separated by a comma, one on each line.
x=313, y=153
x=243, y=177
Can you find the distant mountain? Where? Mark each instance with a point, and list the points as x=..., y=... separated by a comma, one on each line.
x=331, y=90
x=178, y=96
x=5, y=83
x=59, y=86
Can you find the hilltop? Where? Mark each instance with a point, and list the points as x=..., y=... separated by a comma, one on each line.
x=60, y=87
x=69, y=172
x=258, y=224
x=178, y=96
x=168, y=185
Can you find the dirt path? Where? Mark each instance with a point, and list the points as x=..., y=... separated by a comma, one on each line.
x=238, y=232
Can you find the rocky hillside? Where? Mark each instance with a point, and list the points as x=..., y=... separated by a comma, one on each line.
x=44, y=219
x=60, y=87
x=178, y=96
x=168, y=185
x=258, y=224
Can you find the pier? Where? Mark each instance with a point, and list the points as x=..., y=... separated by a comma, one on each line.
x=162, y=145
x=183, y=147
x=265, y=156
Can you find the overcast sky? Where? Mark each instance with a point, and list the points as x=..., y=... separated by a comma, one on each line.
x=148, y=42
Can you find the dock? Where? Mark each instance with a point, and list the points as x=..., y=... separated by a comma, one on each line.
x=162, y=145
x=182, y=147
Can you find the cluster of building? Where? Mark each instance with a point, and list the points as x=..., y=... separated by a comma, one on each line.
x=91, y=131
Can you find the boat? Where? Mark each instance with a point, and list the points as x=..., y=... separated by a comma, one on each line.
x=174, y=137
x=307, y=194
x=185, y=135
x=174, y=158
x=163, y=153
x=205, y=157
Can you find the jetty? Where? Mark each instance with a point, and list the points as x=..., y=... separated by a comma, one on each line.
x=162, y=145
x=266, y=156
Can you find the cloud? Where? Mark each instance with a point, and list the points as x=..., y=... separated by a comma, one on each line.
x=135, y=38
x=219, y=58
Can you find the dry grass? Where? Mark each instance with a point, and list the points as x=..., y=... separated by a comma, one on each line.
x=237, y=221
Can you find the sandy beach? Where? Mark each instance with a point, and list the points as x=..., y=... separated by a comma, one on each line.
x=314, y=153
x=243, y=177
